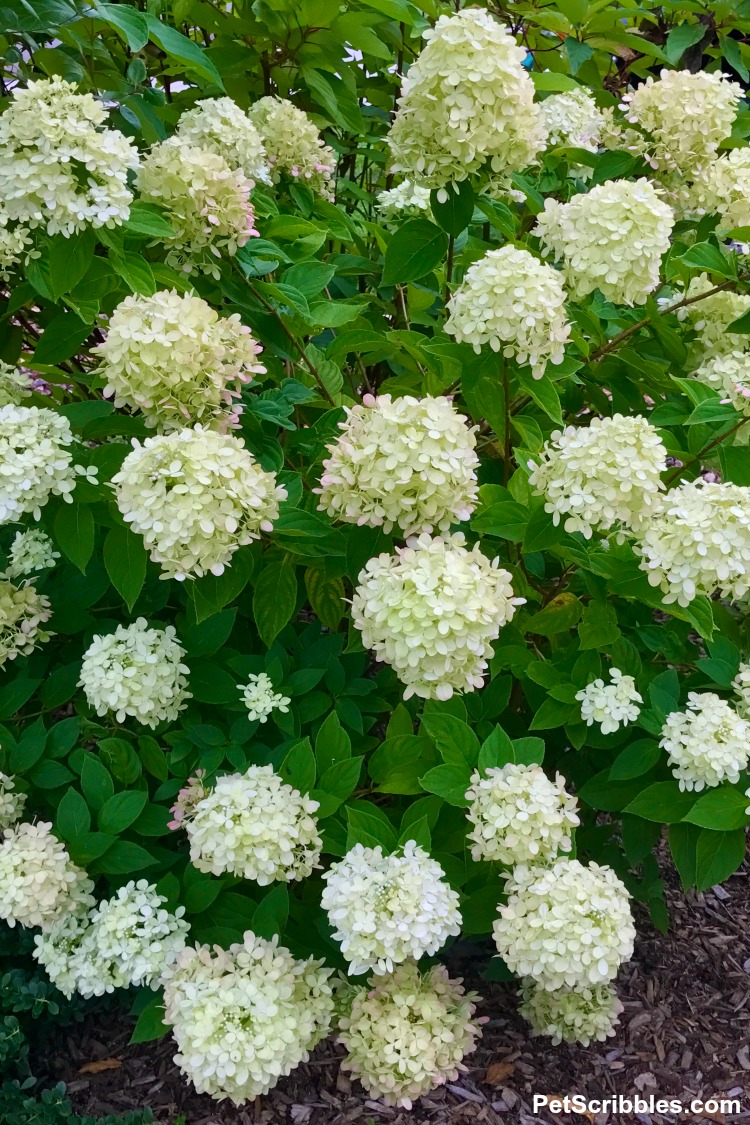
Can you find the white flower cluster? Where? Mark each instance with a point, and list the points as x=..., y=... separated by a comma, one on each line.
x=687, y=115
x=174, y=358
x=741, y=687
x=516, y=304
x=724, y=188
x=408, y=1033
x=255, y=826
x=14, y=385
x=136, y=671
x=35, y=458
x=15, y=246
x=195, y=496
x=610, y=705
x=708, y=743
x=39, y=883
x=22, y=613
x=261, y=700
x=387, y=908
x=47, y=134
x=31, y=551
x=602, y=474
x=611, y=238
x=711, y=316
x=409, y=463
x=431, y=611
x=699, y=542
x=466, y=100
x=206, y=201
x=245, y=1016
x=584, y=1015
x=519, y=815
x=573, y=118
x=293, y=144
x=11, y=801
x=565, y=926
x=219, y=125
x=404, y=199
x=729, y=374
x=128, y=940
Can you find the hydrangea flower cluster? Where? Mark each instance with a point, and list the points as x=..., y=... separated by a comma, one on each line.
x=516, y=304
x=431, y=611
x=519, y=815
x=39, y=882
x=255, y=826
x=711, y=316
x=565, y=926
x=708, y=743
x=611, y=239
x=574, y=118
x=687, y=115
x=729, y=374
x=195, y=496
x=15, y=246
x=466, y=101
x=138, y=672
x=47, y=132
x=387, y=908
x=22, y=613
x=245, y=1016
x=404, y=199
x=173, y=357
x=610, y=705
x=188, y=799
x=602, y=474
x=14, y=385
x=206, y=201
x=409, y=463
x=408, y=1033
x=293, y=144
x=724, y=188
x=36, y=460
x=31, y=551
x=128, y=940
x=699, y=542
x=583, y=1015
x=741, y=687
x=261, y=700
x=219, y=125
x=12, y=801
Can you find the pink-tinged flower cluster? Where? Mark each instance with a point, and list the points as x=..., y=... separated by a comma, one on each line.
x=187, y=799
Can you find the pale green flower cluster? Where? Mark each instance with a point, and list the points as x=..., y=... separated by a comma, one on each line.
x=573, y=118
x=408, y=1032
x=39, y=882
x=293, y=145
x=711, y=316
x=36, y=460
x=195, y=496
x=431, y=611
x=516, y=304
x=687, y=116
x=261, y=700
x=219, y=125
x=403, y=200
x=466, y=102
x=14, y=385
x=12, y=801
x=47, y=133
x=22, y=613
x=610, y=705
x=138, y=672
x=724, y=189
x=15, y=246
x=519, y=815
x=585, y=1015
x=409, y=463
x=128, y=940
x=741, y=687
x=206, y=201
x=255, y=826
x=708, y=743
x=698, y=542
x=611, y=238
x=729, y=374
x=385, y=909
x=173, y=357
x=565, y=926
x=31, y=551
x=601, y=475
x=245, y=1016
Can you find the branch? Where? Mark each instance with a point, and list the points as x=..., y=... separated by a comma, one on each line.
x=707, y=448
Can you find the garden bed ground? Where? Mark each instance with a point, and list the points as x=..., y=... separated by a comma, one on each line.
x=685, y=1034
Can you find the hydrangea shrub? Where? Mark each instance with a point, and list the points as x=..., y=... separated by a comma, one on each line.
x=374, y=514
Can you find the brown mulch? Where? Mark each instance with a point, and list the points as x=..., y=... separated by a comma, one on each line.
x=685, y=1033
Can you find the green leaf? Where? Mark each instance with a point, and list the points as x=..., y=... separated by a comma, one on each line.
x=150, y=1024
x=554, y=713
x=731, y=52
x=121, y=810
x=131, y=26
x=271, y=913
x=455, y=740
x=298, y=768
x=125, y=858
x=717, y=856
x=211, y=593
x=499, y=214
x=72, y=817
x=178, y=46
x=578, y=53
x=635, y=760
x=454, y=213
x=449, y=782
x=722, y=809
x=562, y=613
x=662, y=801
x=326, y=597
x=341, y=778
x=709, y=256
x=68, y=260
x=479, y=910
x=370, y=830
x=544, y=393
x=332, y=743
x=683, y=840
x=148, y=220
x=554, y=80
x=599, y=628
x=274, y=599
x=125, y=560
x=414, y=250
x=211, y=684
x=136, y=272
x=61, y=339
x=74, y=532
x=682, y=37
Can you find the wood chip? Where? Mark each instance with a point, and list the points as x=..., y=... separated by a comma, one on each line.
x=497, y=1072
x=98, y=1065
